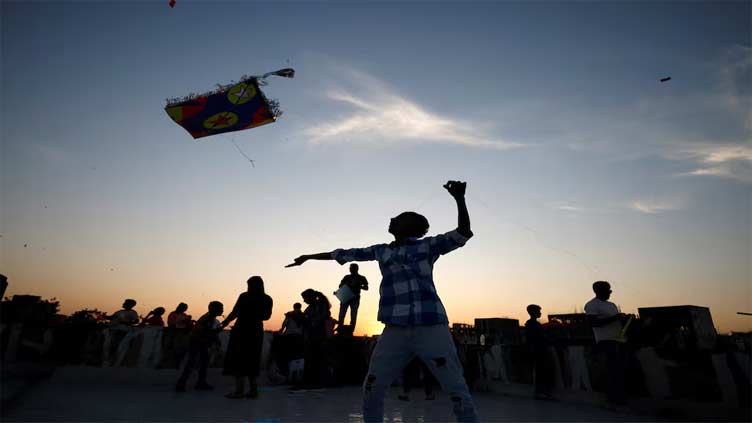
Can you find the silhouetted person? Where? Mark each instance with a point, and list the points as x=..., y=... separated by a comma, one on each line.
x=243, y=355
x=606, y=321
x=120, y=323
x=125, y=317
x=154, y=317
x=3, y=285
x=294, y=321
x=178, y=319
x=314, y=334
x=176, y=336
x=416, y=321
x=539, y=348
x=289, y=344
x=411, y=376
x=355, y=282
x=203, y=335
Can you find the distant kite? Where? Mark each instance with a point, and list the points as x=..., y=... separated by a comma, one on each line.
x=172, y=3
x=229, y=108
x=668, y=78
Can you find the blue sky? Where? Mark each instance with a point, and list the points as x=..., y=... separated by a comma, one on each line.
x=581, y=165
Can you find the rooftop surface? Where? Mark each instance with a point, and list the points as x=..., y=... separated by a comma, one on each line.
x=87, y=394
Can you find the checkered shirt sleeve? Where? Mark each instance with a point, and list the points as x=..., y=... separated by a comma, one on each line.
x=356, y=254
x=408, y=296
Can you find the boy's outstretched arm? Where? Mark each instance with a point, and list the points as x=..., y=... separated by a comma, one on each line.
x=457, y=190
x=302, y=259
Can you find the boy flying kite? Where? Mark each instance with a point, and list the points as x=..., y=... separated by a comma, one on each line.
x=415, y=319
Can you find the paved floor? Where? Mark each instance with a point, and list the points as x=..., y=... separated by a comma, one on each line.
x=86, y=394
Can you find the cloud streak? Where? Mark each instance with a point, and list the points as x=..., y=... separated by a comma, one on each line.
x=727, y=161
x=378, y=114
x=656, y=206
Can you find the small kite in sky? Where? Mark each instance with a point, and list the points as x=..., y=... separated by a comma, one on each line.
x=233, y=107
x=668, y=78
x=172, y=3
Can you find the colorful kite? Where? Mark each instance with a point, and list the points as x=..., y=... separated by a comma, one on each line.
x=231, y=107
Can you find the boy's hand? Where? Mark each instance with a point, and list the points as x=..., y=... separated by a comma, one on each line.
x=298, y=261
x=456, y=188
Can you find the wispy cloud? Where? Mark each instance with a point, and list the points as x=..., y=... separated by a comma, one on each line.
x=735, y=74
x=655, y=206
x=727, y=161
x=567, y=207
x=377, y=113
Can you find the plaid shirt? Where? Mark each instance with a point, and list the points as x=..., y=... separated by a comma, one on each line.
x=408, y=294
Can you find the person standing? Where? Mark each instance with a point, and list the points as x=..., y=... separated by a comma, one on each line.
x=314, y=335
x=154, y=318
x=539, y=348
x=3, y=285
x=243, y=356
x=126, y=317
x=203, y=335
x=177, y=334
x=416, y=320
x=178, y=319
x=606, y=321
x=119, y=334
x=356, y=282
x=294, y=320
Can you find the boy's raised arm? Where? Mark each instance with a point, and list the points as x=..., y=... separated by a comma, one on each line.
x=457, y=190
x=302, y=259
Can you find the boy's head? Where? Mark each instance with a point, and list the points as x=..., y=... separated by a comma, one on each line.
x=297, y=306
x=534, y=310
x=354, y=268
x=602, y=290
x=181, y=308
x=129, y=304
x=159, y=311
x=216, y=308
x=255, y=285
x=408, y=225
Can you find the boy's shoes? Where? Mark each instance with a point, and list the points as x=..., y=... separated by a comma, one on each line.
x=545, y=397
x=204, y=387
x=430, y=397
x=403, y=397
x=179, y=388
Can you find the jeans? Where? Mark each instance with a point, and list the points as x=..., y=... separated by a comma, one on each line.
x=353, y=304
x=198, y=354
x=396, y=347
x=544, y=371
x=615, y=370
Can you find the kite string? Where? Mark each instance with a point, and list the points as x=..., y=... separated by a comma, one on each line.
x=237, y=147
x=597, y=271
x=538, y=239
x=253, y=164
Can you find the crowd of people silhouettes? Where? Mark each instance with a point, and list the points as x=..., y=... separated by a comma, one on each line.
x=416, y=339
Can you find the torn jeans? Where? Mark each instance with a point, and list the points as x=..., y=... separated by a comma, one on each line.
x=396, y=346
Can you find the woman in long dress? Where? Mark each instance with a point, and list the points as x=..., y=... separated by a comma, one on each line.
x=246, y=337
x=314, y=334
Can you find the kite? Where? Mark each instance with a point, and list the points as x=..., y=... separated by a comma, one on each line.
x=172, y=3
x=668, y=78
x=233, y=107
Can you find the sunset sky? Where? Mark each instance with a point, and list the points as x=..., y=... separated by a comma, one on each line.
x=581, y=165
